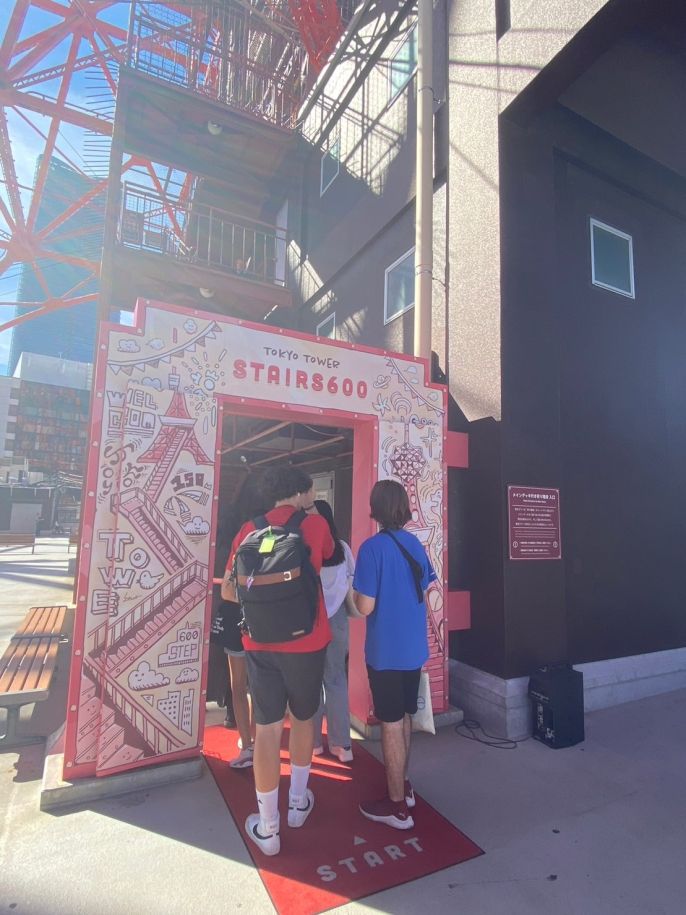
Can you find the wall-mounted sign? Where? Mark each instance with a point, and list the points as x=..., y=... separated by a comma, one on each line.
x=534, y=528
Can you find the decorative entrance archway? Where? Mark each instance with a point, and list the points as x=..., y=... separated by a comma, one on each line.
x=138, y=676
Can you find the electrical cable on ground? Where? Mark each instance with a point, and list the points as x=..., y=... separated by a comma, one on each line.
x=469, y=728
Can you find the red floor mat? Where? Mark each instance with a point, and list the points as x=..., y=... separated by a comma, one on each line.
x=338, y=855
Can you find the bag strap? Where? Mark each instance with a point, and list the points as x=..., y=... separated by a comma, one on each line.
x=259, y=523
x=415, y=567
x=296, y=519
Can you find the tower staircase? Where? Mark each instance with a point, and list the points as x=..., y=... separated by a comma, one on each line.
x=116, y=726
x=435, y=666
x=158, y=534
x=173, y=445
x=101, y=723
x=130, y=637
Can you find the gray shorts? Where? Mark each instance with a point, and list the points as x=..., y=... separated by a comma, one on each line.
x=280, y=678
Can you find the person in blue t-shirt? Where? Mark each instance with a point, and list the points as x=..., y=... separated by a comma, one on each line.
x=391, y=578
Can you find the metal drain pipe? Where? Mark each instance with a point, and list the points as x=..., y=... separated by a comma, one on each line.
x=424, y=190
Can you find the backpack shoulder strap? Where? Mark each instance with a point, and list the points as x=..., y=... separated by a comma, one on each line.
x=293, y=526
x=260, y=522
x=415, y=566
x=296, y=519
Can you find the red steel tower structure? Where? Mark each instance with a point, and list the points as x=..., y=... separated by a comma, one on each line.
x=59, y=73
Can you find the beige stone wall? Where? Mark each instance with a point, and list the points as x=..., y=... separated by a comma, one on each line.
x=484, y=76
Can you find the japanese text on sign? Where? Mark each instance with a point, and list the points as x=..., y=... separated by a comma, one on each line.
x=534, y=522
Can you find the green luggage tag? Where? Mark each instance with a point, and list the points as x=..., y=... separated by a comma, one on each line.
x=267, y=543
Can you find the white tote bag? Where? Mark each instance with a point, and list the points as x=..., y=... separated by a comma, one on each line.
x=424, y=718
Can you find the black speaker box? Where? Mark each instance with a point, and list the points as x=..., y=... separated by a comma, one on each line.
x=557, y=697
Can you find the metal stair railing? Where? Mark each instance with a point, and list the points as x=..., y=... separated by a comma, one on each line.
x=145, y=608
x=199, y=233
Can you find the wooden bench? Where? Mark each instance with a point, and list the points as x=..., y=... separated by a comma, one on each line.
x=9, y=540
x=28, y=666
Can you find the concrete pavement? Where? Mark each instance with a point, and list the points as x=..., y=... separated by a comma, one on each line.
x=596, y=829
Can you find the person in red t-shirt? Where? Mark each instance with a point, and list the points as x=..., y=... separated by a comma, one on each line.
x=285, y=674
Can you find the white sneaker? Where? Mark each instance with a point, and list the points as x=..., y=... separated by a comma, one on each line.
x=317, y=751
x=299, y=808
x=344, y=754
x=243, y=760
x=268, y=842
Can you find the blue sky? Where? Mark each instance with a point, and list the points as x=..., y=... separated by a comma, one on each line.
x=27, y=144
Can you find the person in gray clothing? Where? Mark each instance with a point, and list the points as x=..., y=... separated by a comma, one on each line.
x=336, y=577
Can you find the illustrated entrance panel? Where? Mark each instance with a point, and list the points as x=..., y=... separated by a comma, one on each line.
x=137, y=683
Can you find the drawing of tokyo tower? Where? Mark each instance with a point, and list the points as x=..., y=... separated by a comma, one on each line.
x=408, y=463
x=176, y=434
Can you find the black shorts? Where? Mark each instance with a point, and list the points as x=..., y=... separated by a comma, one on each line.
x=226, y=625
x=394, y=692
x=280, y=678
x=233, y=637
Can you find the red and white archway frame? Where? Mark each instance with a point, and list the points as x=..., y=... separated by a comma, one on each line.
x=137, y=683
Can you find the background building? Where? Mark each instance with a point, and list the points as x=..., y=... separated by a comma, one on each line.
x=558, y=320
x=44, y=412
x=67, y=333
x=66, y=373
x=51, y=428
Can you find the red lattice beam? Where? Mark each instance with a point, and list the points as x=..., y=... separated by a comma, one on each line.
x=36, y=28
x=33, y=84
x=320, y=25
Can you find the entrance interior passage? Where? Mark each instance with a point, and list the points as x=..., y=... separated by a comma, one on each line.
x=251, y=445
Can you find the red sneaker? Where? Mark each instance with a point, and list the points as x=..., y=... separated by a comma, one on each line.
x=409, y=793
x=392, y=813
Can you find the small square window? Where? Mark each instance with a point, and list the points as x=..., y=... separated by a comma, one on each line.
x=327, y=327
x=330, y=165
x=612, y=259
x=402, y=66
x=399, y=287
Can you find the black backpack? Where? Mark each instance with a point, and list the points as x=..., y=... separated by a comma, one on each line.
x=277, y=586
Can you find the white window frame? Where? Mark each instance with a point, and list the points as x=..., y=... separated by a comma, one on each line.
x=327, y=154
x=412, y=34
x=332, y=318
x=593, y=223
x=386, y=318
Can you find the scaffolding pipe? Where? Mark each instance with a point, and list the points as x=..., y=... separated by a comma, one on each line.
x=424, y=184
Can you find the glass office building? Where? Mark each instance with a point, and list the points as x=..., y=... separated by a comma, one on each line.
x=68, y=333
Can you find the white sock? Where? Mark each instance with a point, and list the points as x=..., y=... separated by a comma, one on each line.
x=268, y=806
x=299, y=777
